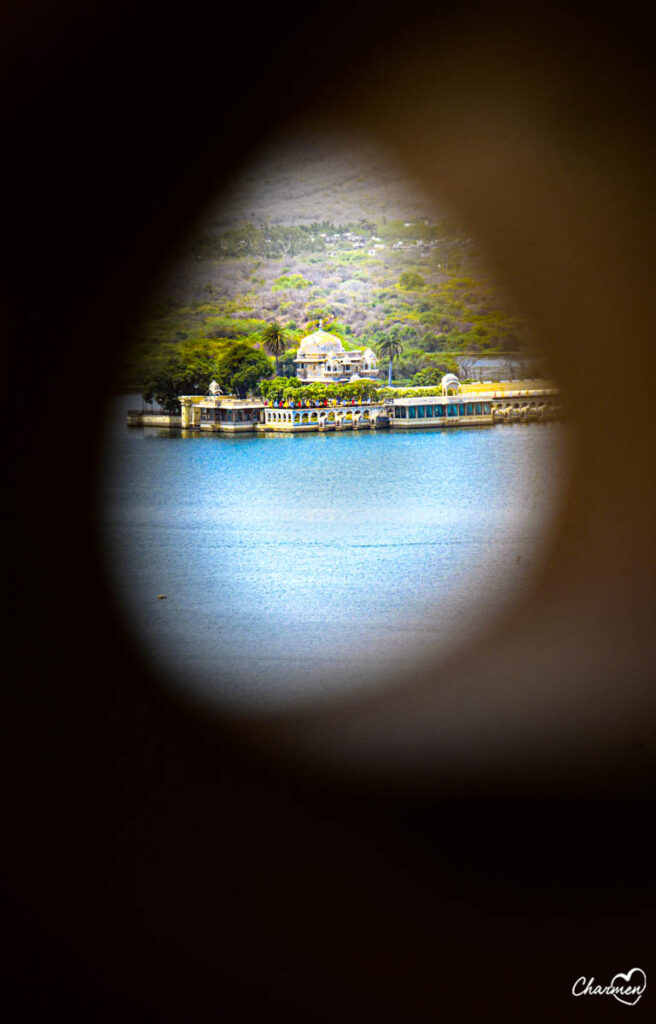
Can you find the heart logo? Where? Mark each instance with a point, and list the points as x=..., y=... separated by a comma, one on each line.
x=625, y=982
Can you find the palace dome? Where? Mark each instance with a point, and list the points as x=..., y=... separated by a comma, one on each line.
x=320, y=342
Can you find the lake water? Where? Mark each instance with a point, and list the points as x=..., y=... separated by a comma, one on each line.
x=301, y=568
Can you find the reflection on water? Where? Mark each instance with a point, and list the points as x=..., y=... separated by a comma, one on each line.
x=297, y=568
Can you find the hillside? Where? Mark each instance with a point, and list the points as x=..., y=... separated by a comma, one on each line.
x=320, y=229
x=321, y=177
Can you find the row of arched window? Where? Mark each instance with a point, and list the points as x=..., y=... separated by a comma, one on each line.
x=282, y=416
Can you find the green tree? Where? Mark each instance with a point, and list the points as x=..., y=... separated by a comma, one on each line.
x=426, y=377
x=409, y=280
x=435, y=343
x=240, y=368
x=358, y=389
x=390, y=348
x=274, y=340
x=273, y=390
x=179, y=377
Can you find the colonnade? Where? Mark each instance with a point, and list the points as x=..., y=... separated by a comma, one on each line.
x=321, y=418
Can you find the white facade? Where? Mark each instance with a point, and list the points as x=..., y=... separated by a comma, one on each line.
x=322, y=358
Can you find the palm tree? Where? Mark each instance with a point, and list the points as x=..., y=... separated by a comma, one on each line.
x=274, y=341
x=389, y=348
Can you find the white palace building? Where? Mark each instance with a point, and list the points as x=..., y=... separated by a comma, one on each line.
x=322, y=359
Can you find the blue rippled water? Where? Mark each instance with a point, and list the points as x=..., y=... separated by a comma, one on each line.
x=297, y=568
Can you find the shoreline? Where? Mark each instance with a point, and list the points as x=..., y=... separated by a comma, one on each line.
x=411, y=412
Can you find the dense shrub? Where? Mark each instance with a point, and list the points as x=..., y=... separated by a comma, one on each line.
x=409, y=281
x=179, y=377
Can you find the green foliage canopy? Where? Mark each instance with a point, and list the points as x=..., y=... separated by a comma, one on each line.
x=273, y=390
x=409, y=280
x=240, y=368
x=179, y=377
x=433, y=374
x=287, y=281
x=285, y=389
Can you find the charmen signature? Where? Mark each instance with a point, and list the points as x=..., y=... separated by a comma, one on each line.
x=627, y=988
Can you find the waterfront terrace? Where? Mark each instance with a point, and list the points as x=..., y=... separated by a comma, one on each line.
x=475, y=408
x=232, y=415
x=453, y=407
